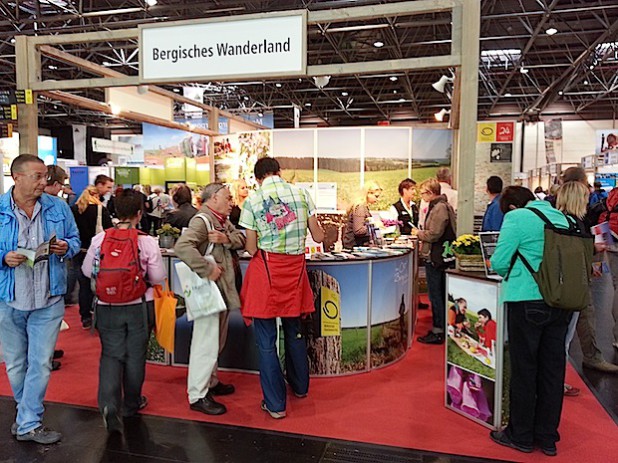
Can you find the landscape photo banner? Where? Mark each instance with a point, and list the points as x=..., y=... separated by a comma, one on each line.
x=272, y=45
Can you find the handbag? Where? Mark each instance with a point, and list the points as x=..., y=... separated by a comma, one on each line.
x=165, y=316
x=202, y=296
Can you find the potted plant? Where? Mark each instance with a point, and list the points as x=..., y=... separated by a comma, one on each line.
x=467, y=250
x=167, y=236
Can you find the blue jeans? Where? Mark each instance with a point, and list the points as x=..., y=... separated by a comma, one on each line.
x=28, y=341
x=296, y=362
x=436, y=287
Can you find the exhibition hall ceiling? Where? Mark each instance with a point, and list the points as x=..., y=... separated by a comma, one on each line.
x=539, y=59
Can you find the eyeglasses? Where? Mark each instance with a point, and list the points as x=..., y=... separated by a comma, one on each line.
x=37, y=177
x=425, y=192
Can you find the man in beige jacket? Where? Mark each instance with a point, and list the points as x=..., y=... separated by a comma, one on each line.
x=210, y=231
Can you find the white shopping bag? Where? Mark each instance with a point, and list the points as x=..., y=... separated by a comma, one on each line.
x=202, y=297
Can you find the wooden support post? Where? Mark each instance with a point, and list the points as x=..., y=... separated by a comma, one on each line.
x=213, y=125
x=28, y=69
x=466, y=136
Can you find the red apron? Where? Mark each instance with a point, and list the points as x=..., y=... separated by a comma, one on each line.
x=276, y=285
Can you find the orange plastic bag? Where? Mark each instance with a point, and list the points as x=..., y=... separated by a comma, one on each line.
x=165, y=316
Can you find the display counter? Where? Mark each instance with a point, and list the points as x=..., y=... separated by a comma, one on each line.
x=364, y=319
x=476, y=376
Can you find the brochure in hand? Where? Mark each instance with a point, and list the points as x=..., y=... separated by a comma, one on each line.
x=41, y=253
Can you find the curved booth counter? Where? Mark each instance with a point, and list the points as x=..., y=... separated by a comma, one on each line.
x=364, y=318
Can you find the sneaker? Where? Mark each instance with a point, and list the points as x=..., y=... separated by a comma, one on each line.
x=432, y=338
x=222, y=389
x=500, y=437
x=14, y=429
x=58, y=354
x=602, y=366
x=275, y=415
x=208, y=406
x=423, y=306
x=40, y=435
x=56, y=365
x=143, y=402
x=549, y=450
x=570, y=391
x=111, y=420
x=87, y=324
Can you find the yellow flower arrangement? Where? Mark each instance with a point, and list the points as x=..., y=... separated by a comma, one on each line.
x=467, y=244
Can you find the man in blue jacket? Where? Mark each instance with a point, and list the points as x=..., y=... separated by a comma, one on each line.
x=492, y=220
x=32, y=296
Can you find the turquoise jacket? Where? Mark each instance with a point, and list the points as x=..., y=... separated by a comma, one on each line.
x=523, y=231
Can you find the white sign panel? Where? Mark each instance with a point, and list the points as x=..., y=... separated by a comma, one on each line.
x=103, y=145
x=274, y=45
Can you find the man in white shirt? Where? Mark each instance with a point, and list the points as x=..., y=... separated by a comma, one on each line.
x=445, y=179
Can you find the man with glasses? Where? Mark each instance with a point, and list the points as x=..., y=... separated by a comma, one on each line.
x=31, y=296
x=210, y=332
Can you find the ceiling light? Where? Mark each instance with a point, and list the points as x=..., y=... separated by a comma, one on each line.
x=308, y=105
x=394, y=91
x=151, y=2
x=13, y=40
x=278, y=85
x=106, y=63
x=586, y=82
x=591, y=67
x=115, y=109
x=551, y=31
x=321, y=81
x=378, y=44
x=440, y=84
x=344, y=93
x=177, y=90
x=260, y=114
x=507, y=94
x=523, y=70
x=440, y=114
x=52, y=67
x=401, y=100
x=393, y=78
x=245, y=98
x=560, y=93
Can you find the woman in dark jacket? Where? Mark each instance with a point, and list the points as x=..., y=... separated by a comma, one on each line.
x=439, y=228
x=91, y=218
x=184, y=212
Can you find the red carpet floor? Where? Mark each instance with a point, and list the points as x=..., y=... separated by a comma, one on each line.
x=400, y=405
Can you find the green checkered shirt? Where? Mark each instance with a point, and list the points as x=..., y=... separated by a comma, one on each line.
x=278, y=212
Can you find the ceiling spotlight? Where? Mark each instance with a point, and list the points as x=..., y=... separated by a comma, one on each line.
x=106, y=63
x=440, y=114
x=321, y=81
x=591, y=67
x=586, y=82
x=151, y=2
x=344, y=93
x=393, y=78
x=560, y=93
x=551, y=31
x=52, y=67
x=177, y=90
x=115, y=109
x=440, y=84
x=13, y=40
x=507, y=94
x=523, y=70
x=378, y=44
x=260, y=114
x=245, y=97
x=308, y=105
x=278, y=85
x=395, y=91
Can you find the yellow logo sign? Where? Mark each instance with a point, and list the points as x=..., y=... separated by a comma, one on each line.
x=486, y=132
x=330, y=312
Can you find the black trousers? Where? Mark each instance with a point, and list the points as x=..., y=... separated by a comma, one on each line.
x=436, y=287
x=86, y=295
x=124, y=332
x=536, y=344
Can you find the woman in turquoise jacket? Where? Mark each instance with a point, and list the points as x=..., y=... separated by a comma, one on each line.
x=536, y=331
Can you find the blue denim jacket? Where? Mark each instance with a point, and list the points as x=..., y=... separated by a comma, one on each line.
x=57, y=217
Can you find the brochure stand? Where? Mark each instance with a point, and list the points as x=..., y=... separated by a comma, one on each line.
x=476, y=376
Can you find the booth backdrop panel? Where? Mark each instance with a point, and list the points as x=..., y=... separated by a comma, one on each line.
x=126, y=176
x=162, y=142
x=236, y=155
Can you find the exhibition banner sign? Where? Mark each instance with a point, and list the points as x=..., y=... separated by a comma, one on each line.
x=272, y=44
x=488, y=132
x=330, y=317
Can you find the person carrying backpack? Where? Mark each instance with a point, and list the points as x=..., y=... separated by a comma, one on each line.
x=533, y=238
x=124, y=264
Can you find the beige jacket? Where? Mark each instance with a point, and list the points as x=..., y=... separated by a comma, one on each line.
x=192, y=245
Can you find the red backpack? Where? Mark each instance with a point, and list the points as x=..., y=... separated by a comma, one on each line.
x=120, y=278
